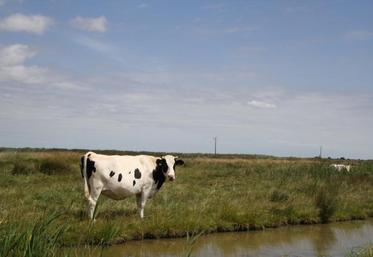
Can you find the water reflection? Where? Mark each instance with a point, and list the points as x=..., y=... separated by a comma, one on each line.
x=315, y=240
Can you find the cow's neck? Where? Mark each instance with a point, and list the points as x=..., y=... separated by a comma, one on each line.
x=159, y=177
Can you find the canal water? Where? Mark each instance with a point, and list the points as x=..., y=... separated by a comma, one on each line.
x=336, y=239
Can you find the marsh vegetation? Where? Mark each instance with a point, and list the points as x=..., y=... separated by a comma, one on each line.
x=210, y=194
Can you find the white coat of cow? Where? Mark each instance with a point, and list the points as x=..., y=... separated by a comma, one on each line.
x=340, y=167
x=121, y=176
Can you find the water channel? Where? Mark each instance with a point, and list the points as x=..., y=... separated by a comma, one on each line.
x=336, y=239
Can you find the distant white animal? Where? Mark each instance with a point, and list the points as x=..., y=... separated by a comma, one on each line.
x=121, y=176
x=340, y=167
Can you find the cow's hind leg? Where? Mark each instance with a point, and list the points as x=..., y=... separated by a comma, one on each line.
x=92, y=201
x=141, y=201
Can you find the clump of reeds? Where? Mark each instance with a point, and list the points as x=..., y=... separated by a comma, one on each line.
x=366, y=251
x=326, y=202
x=279, y=196
x=24, y=165
x=54, y=165
x=42, y=239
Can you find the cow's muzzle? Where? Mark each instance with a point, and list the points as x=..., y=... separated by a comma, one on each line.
x=171, y=178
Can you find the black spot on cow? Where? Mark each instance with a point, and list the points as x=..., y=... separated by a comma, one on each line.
x=137, y=173
x=90, y=167
x=134, y=182
x=162, y=165
x=119, y=177
x=89, y=155
x=112, y=173
x=82, y=165
x=159, y=173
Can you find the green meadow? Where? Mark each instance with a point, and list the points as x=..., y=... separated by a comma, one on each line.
x=42, y=202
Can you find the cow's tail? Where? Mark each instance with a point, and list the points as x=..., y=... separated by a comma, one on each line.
x=84, y=174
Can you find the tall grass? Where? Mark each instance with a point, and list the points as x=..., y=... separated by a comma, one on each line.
x=54, y=165
x=191, y=240
x=44, y=238
x=41, y=238
x=224, y=193
x=326, y=202
x=279, y=196
x=24, y=165
x=47, y=163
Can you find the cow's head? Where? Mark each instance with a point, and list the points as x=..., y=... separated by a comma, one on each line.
x=167, y=165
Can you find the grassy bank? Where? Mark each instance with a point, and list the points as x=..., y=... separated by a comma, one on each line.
x=224, y=193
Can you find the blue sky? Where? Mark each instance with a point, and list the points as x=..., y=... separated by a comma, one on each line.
x=265, y=77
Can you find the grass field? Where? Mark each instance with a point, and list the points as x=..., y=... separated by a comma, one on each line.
x=223, y=193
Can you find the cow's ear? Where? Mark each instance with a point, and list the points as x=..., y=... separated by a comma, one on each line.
x=179, y=162
x=159, y=161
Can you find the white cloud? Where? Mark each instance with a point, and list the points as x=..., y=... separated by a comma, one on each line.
x=104, y=48
x=13, y=69
x=303, y=121
x=15, y=54
x=12, y=66
x=98, y=24
x=192, y=77
x=359, y=35
x=24, y=74
x=35, y=24
x=261, y=104
x=95, y=45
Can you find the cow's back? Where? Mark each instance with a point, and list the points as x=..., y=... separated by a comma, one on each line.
x=122, y=175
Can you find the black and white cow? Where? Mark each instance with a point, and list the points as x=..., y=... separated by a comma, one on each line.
x=120, y=176
x=341, y=167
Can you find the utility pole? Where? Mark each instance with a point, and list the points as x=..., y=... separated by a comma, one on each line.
x=320, y=151
x=215, y=140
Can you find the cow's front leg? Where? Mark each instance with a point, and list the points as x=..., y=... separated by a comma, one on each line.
x=141, y=201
